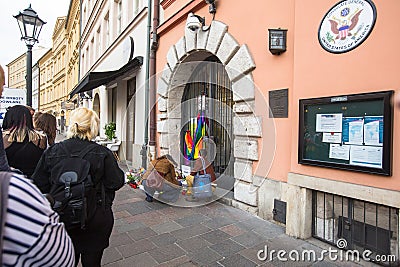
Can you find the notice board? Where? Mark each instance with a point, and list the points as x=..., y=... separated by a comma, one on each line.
x=351, y=132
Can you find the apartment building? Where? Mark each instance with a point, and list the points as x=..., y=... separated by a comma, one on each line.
x=72, y=30
x=17, y=67
x=17, y=72
x=46, y=88
x=112, y=69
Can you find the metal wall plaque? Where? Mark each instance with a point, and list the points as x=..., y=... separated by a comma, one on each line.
x=278, y=103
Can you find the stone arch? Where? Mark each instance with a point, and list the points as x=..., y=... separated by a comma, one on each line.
x=239, y=64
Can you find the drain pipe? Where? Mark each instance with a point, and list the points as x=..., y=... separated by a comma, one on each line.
x=153, y=90
x=143, y=151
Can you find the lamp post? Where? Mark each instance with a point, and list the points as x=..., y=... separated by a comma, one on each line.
x=30, y=26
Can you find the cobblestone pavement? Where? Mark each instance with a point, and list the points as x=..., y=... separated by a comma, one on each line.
x=155, y=234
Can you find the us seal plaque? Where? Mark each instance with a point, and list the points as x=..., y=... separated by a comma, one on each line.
x=347, y=25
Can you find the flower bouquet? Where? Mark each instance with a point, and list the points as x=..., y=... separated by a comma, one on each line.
x=134, y=177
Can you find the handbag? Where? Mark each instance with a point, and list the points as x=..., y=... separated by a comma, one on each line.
x=202, y=183
x=155, y=180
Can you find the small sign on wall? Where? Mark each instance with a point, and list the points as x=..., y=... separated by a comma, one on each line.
x=347, y=25
x=278, y=103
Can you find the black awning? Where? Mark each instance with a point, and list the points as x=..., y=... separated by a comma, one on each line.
x=93, y=80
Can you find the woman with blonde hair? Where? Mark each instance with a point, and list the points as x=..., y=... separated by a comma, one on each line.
x=89, y=243
x=20, y=139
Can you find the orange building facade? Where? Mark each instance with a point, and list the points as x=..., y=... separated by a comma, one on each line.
x=263, y=152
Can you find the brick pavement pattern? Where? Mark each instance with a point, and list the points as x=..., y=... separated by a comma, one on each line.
x=155, y=234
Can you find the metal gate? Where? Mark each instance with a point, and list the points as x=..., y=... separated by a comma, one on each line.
x=208, y=93
x=360, y=225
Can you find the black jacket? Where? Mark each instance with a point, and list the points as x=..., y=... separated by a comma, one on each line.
x=103, y=166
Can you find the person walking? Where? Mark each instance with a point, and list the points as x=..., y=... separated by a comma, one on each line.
x=30, y=231
x=20, y=139
x=89, y=243
x=46, y=124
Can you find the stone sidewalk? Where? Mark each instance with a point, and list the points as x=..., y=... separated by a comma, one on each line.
x=155, y=234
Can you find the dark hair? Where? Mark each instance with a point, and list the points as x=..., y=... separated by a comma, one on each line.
x=48, y=124
x=17, y=117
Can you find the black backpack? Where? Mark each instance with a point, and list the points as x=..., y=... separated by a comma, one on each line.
x=73, y=193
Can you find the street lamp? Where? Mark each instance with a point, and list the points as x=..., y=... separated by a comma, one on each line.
x=30, y=26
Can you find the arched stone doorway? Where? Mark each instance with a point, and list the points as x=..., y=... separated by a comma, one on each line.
x=182, y=60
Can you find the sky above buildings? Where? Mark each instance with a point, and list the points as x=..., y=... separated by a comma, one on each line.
x=11, y=45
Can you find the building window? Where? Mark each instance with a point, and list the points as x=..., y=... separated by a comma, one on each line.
x=92, y=56
x=363, y=225
x=87, y=58
x=84, y=16
x=119, y=17
x=99, y=46
x=106, y=30
x=130, y=118
x=135, y=7
x=114, y=104
x=83, y=62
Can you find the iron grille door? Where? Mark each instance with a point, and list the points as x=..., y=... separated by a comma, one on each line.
x=209, y=92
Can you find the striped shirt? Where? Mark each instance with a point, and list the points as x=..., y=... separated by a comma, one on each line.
x=33, y=235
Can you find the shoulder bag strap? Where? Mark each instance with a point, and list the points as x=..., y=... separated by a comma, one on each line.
x=4, y=183
x=204, y=165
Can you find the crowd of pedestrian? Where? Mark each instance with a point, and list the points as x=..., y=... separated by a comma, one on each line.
x=32, y=232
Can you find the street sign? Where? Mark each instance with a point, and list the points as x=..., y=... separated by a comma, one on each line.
x=11, y=97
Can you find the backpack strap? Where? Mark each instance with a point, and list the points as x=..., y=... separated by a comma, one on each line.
x=81, y=154
x=4, y=183
x=86, y=150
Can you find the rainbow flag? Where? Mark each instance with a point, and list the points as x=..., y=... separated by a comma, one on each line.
x=194, y=137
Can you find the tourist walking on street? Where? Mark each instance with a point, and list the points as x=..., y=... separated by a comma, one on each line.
x=43, y=240
x=46, y=123
x=90, y=242
x=24, y=146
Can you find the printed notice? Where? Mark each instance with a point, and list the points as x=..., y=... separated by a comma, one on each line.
x=373, y=130
x=329, y=123
x=337, y=151
x=332, y=138
x=353, y=130
x=185, y=170
x=367, y=156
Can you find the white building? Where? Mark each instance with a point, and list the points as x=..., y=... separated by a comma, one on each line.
x=112, y=51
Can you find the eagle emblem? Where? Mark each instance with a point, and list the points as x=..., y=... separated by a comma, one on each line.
x=342, y=27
